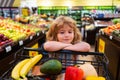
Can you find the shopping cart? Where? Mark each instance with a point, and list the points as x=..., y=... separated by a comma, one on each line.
x=100, y=62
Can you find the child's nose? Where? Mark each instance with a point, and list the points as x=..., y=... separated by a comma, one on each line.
x=66, y=34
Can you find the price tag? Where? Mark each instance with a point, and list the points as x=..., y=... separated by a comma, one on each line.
x=20, y=42
x=38, y=34
x=31, y=37
x=8, y=48
x=111, y=37
x=101, y=46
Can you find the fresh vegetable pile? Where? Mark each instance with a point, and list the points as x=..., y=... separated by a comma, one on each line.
x=108, y=30
x=84, y=72
x=54, y=67
x=78, y=72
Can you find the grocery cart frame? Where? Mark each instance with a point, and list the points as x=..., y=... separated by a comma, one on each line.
x=100, y=63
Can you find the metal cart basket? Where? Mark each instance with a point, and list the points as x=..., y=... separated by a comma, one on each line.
x=67, y=58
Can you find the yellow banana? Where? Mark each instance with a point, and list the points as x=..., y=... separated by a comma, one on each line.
x=26, y=68
x=16, y=70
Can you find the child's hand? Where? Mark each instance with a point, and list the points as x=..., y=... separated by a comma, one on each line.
x=81, y=47
x=55, y=45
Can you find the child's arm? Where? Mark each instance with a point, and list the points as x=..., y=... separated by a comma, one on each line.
x=54, y=45
x=81, y=47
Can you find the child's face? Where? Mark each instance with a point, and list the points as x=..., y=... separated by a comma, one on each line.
x=65, y=34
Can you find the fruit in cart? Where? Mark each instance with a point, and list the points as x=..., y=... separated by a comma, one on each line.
x=16, y=31
x=94, y=78
x=26, y=68
x=52, y=66
x=88, y=69
x=15, y=74
x=73, y=73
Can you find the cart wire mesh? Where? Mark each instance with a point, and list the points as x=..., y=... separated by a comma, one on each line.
x=67, y=58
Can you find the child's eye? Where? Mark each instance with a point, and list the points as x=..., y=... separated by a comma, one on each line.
x=70, y=31
x=61, y=32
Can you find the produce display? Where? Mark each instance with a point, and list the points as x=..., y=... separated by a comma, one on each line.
x=115, y=21
x=89, y=27
x=112, y=32
x=116, y=33
x=108, y=30
x=37, y=20
x=5, y=40
x=33, y=19
x=11, y=31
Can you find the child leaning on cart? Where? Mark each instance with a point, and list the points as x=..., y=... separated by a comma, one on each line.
x=63, y=34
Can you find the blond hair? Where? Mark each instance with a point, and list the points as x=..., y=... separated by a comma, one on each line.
x=58, y=23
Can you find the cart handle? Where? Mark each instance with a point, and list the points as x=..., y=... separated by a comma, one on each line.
x=105, y=59
x=42, y=51
x=32, y=49
x=82, y=53
x=63, y=51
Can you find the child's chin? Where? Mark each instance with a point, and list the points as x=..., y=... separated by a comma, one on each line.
x=67, y=42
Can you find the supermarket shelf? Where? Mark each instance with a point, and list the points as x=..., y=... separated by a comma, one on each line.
x=8, y=49
x=110, y=46
x=7, y=55
x=112, y=38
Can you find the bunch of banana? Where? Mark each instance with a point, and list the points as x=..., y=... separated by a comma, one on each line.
x=16, y=70
x=26, y=68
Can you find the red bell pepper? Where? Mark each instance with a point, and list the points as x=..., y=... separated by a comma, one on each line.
x=73, y=73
